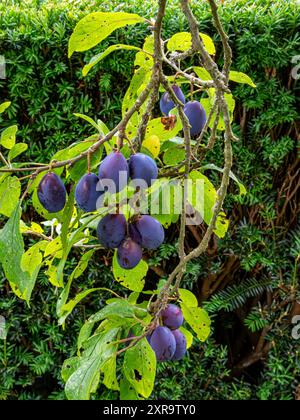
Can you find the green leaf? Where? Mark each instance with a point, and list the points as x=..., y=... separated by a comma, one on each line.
x=67, y=217
x=157, y=128
x=142, y=59
x=198, y=320
x=203, y=196
x=207, y=103
x=127, y=391
x=10, y=190
x=11, y=252
x=109, y=370
x=88, y=119
x=8, y=137
x=188, y=298
x=208, y=44
x=189, y=337
x=165, y=201
x=182, y=41
x=131, y=279
x=31, y=263
x=140, y=77
x=239, y=77
x=80, y=168
x=67, y=309
x=61, y=308
x=140, y=367
x=174, y=156
x=95, y=27
x=212, y=166
x=119, y=308
x=202, y=73
x=16, y=150
x=4, y=106
x=97, y=58
x=85, y=373
x=69, y=367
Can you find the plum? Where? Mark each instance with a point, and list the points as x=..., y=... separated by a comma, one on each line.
x=167, y=104
x=163, y=344
x=86, y=193
x=147, y=231
x=115, y=168
x=172, y=317
x=111, y=230
x=129, y=254
x=180, y=345
x=142, y=167
x=52, y=193
x=196, y=115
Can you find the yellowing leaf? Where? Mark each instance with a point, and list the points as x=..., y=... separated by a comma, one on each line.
x=189, y=337
x=132, y=279
x=10, y=190
x=140, y=367
x=97, y=26
x=182, y=41
x=152, y=144
x=198, y=320
x=239, y=77
x=4, y=106
x=8, y=137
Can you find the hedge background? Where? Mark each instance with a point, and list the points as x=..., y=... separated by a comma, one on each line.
x=246, y=280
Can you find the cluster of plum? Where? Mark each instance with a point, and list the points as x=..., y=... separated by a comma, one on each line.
x=113, y=231
x=193, y=110
x=167, y=341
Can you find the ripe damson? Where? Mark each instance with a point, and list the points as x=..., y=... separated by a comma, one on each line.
x=142, y=167
x=167, y=104
x=172, y=317
x=196, y=116
x=147, y=231
x=52, y=193
x=129, y=254
x=86, y=193
x=111, y=230
x=180, y=345
x=115, y=168
x=163, y=344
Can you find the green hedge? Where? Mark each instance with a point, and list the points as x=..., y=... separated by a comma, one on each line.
x=46, y=89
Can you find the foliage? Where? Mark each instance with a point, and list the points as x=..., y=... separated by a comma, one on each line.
x=255, y=240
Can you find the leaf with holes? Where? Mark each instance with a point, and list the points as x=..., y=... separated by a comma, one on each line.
x=140, y=367
x=85, y=372
x=10, y=191
x=8, y=137
x=97, y=26
x=11, y=252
